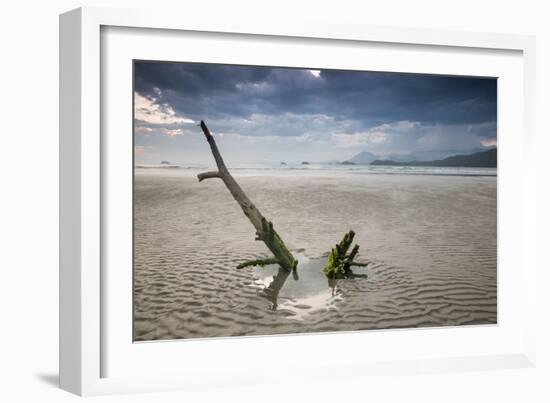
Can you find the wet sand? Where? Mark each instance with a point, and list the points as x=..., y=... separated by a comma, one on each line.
x=430, y=241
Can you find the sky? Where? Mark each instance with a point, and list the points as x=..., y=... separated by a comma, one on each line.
x=264, y=115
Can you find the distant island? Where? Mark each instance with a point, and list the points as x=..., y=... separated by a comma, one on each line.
x=347, y=163
x=305, y=163
x=161, y=166
x=483, y=159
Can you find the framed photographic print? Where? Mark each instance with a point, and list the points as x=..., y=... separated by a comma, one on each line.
x=403, y=164
x=236, y=191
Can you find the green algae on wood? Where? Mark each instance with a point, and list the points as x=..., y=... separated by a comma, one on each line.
x=264, y=229
x=339, y=263
x=258, y=262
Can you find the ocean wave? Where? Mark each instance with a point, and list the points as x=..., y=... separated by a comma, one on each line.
x=326, y=170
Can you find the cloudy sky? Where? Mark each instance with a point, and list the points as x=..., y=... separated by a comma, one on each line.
x=268, y=115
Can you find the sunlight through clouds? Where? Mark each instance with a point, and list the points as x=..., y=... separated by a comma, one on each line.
x=149, y=111
x=291, y=114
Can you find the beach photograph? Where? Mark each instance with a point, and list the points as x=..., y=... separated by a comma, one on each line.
x=274, y=200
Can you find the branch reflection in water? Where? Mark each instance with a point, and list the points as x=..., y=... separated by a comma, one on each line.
x=310, y=292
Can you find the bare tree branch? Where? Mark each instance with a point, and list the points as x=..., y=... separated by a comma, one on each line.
x=264, y=229
x=208, y=175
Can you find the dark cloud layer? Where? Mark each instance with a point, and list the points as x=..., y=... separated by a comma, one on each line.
x=207, y=91
x=282, y=114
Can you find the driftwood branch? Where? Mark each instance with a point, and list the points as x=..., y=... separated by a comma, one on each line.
x=258, y=262
x=208, y=175
x=264, y=228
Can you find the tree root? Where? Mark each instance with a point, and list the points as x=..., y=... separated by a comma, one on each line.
x=339, y=263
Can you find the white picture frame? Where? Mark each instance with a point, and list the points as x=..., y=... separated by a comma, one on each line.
x=88, y=333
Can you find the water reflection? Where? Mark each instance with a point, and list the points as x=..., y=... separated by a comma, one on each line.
x=333, y=282
x=311, y=292
x=271, y=292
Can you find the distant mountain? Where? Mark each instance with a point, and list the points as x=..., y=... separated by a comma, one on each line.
x=483, y=159
x=433, y=155
x=363, y=158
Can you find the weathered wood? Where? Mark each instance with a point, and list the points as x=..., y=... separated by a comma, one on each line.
x=208, y=175
x=339, y=262
x=348, y=261
x=264, y=229
x=258, y=262
x=272, y=291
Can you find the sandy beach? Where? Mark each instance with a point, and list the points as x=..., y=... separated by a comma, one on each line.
x=430, y=241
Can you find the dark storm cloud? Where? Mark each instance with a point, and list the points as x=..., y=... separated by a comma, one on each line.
x=203, y=91
x=422, y=98
x=281, y=114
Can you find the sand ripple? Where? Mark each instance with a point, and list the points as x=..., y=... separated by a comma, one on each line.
x=431, y=241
